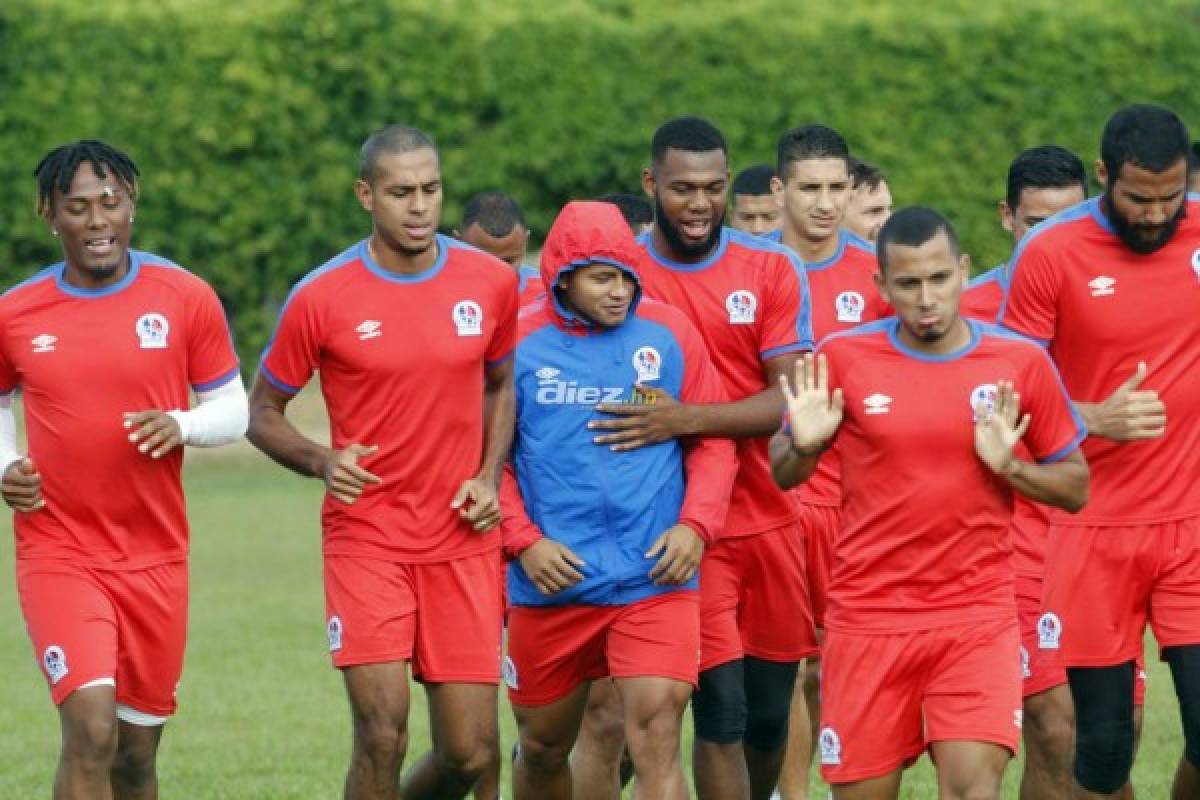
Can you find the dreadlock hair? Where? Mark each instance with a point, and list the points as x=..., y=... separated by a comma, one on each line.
x=57, y=168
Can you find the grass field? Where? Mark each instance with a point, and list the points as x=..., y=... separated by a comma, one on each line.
x=262, y=713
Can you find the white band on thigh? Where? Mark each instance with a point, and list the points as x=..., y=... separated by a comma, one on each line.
x=135, y=717
x=99, y=682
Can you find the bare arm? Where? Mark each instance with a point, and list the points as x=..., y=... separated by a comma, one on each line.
x=636, y=426
x=478, y=499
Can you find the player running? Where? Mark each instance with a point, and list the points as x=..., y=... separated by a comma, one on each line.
x=608, y=542
x=1112, y=287
x=922, y=648
x=104, y=347
x=412, y=333
x=750, y=303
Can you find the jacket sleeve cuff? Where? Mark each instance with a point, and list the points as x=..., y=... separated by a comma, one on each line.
x=700, y=528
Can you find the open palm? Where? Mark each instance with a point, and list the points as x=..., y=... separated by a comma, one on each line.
x=813, y=412
x=997, y=430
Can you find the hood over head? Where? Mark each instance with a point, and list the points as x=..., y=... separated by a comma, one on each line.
x=587, y=232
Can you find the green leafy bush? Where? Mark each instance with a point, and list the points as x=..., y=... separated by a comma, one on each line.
x=246, y=117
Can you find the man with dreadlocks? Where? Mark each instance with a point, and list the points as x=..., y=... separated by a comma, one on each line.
x=105, y=346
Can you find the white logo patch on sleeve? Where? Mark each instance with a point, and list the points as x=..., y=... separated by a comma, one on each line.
x=152, y=330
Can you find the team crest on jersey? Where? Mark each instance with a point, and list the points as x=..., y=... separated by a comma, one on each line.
x=742, y=306
x=850, y=307
x=648, y=364
x=152, y=330
x=1049, y=630
x=468, y=318
x=1103, y=286
x=1026, y=672
x=369, y=329
x=877, y=404
x=831, y=747
x=44, y=343
x=333, y=629
x=985, y=395
x=55, y=662
x=508, y=672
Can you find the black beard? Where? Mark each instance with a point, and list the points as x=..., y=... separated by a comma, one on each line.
x=680, y=245
x=1131, y=235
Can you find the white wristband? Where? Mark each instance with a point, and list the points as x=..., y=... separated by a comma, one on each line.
x=8, y=432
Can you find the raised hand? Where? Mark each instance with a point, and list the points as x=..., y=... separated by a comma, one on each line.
x=997, y=430
x=814, y=414
x=1129, y=413
x=344, y=478
x=551, y=566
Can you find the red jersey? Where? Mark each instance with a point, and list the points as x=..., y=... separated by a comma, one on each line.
x=84, y=357
x=981, y=300
x=924, y=540
x=401, y=361
x=529, y=286
x=749, y=299
x=1101, y=308
x=844, y=295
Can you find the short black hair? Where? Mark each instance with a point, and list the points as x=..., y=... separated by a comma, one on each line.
x=754, y=181
x=57, y=168
x=913, y=227
x=864, y=174
x=690, y=134
x=1045, y=167
x=391, y=139
x=810, y=141
x=495, y=212
x=1194, y=161
x=636, y=210
x=1151, y=137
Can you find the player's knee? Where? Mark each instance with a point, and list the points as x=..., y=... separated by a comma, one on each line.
x=1104, y=726
x=982, y=788
x=134, y=766
x=1185, y=670
x=719, y=704
x=1049, y=728
x=380, y=739
x=770, y=685
x=542, y=756
x=467, y=758
x=91, y=740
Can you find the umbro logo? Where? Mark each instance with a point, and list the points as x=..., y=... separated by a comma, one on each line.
x=369, y=329
x=44, y=343
x=1103, y=286
x=546, y=374
x=877, y=404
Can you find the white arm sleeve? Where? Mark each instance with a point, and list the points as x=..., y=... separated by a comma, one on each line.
x=220, y=416
x=8, y=432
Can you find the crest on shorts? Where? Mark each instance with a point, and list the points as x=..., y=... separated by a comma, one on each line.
x=55, y=662
x=508, y=672
x=741, y=306
x=831, y=747
x=152, y=330
x=648, y=364
x=468, y=318
x=984, y=394
x=1026, y=672
x=1049, y=630
x=849, y=307
x=333, y=629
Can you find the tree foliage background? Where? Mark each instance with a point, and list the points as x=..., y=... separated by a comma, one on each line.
x=246, y=117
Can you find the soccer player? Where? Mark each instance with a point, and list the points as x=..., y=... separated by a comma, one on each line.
x=755, y=209
x=412, y=334
x=493, y=222
x=104, y=347
x=608, y=543
x=813, y=183
x=1112, y=286
x=750, y=302
x=921, y=647
x=870, y=202
x=638, y=214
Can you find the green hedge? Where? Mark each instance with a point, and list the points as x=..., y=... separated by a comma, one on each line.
x=246, y=117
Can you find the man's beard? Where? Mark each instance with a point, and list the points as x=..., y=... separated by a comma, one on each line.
x=675, y=238
x=1131, y=235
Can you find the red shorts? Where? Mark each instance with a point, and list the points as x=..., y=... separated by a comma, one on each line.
x=1104, y=583
x=754, y=599
x=125, y=628
x=886, y=697
x=821, y=525
x=1042, y=669
x=445, y=618
x=551, y=650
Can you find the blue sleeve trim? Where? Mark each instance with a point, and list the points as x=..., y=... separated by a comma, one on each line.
x=278, y=384
x=1070, y=447
x=218, y=382
x=796, y=347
